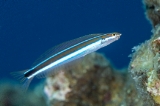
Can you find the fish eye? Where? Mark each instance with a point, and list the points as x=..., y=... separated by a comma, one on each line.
x=113, y=34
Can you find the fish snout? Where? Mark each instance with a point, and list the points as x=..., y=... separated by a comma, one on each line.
x=118, y=35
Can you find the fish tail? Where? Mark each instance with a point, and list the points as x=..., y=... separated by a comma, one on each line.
x=19, y=75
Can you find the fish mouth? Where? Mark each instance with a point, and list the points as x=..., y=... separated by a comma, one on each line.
x=118, y=36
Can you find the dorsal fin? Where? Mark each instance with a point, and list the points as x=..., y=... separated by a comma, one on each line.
x=63, y=46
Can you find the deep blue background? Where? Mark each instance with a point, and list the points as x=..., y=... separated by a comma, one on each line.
x=30, y=27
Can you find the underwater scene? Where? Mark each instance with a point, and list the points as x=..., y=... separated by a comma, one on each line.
x=80, y=53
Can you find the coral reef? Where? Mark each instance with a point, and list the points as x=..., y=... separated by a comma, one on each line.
x=145, y=68
x=153, y=11
x=145, y=64
x=92, y=82
x=13, y=95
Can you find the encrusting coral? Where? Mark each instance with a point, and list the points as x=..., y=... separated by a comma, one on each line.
x=152, y=11
x=92, y=82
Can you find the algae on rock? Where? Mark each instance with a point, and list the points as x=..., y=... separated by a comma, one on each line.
x=145, y=64
x=145, y=68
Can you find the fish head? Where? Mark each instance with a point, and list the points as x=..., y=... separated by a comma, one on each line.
x=110, y=37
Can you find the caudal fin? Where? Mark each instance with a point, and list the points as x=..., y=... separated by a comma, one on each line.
x=22, y=79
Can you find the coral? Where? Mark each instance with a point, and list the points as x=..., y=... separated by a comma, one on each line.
x=57, y=87
x=152, y=11
x=145, y=64
x=145, y=68
x=92, y=82
x=13, y=95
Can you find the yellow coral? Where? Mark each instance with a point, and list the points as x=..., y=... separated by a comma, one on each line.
x=157, y=99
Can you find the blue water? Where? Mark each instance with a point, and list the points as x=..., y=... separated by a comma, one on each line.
x=30, y=27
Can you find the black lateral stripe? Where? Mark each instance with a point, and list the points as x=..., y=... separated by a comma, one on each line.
x=27, y=74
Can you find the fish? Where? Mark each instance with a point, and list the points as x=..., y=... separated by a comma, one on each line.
x=65, y=54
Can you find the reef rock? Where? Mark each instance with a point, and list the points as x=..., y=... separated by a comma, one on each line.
x=92, y=82
x=152, y=11
x=145, y=68
x=145, y=64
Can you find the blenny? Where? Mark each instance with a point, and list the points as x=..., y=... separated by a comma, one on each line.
x=65, y=54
